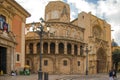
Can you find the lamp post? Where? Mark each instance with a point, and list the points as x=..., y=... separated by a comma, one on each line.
x=40, y=30
x=86, y=59
x=87, y=50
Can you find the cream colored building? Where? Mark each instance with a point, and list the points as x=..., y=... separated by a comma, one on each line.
x=64, y=47
x=12, y=36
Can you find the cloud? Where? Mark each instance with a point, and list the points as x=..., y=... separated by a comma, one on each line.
x=105, y=9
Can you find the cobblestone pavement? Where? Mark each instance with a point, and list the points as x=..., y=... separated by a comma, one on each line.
x=59, y=77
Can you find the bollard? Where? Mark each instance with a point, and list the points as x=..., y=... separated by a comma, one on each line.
x=40, y=75
x=45, y=76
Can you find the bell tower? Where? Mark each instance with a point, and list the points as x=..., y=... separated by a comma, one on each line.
x=57, y=11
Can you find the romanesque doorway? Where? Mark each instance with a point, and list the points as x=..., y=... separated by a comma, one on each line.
x=101, y=60
x=3, y=61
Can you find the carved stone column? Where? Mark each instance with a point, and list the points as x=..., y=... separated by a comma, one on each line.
x=27, y=49
x=56, y=47
x=48, y=47
x=65, y=48
x=72, y=49
x=78, y=49
x=34, y=48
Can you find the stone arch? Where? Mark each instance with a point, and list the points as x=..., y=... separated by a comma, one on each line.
x=52, y=48
x=97, y=31
x=38, y=48
x=61, y=48
x=31, y=48
x=45, y=48
x=4, y=13
x=69, y=48
x=29, y=62
x=75, y=49
x=101, y=60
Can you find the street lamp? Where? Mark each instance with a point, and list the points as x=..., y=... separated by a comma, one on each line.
x=40, y=30
x=87, y=50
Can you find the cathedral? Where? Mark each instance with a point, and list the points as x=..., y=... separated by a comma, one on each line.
x=70, y=47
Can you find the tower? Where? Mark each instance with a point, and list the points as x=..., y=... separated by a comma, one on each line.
x=57, y=11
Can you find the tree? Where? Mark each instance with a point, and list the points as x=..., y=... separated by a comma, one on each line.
x=116, y=58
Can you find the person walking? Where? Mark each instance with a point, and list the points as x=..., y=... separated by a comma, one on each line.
x=114, y=75
x=111, y=75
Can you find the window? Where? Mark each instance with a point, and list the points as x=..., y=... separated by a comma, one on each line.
x=2, y=20
x=45, y=62
x=65, y=62
x=18, y=57
x=28, y=62
x=31, y=48
x=78, y=63
x=55, y=14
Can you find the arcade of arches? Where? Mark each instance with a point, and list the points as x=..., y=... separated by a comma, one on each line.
x=63, y=48
x=63, y=52
x=60, y=56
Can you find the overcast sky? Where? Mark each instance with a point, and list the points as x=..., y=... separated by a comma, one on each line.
x=108, y=10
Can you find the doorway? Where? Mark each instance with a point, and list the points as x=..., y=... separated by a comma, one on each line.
x=3, y=61
x=101, y=61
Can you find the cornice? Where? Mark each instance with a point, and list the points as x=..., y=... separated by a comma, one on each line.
x=18, y=7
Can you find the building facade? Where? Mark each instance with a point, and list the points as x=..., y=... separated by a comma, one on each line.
x=12, y=38
x=70, y=46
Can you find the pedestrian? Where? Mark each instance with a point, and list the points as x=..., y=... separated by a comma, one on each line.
x=111, y=75
x=114, y=75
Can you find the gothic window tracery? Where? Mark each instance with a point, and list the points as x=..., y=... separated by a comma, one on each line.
x=97, y=31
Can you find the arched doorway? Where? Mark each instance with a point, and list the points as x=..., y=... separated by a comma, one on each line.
x=3, y=57
x=101, y=60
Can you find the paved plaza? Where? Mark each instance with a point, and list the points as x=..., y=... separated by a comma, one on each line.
x=59, y=77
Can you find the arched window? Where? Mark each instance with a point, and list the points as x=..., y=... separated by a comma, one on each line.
x=81, y=50
x=78, y=63
x=97, y=31
x=61, y=48
x=75, y=49
x=45, y=48
x=69, y=48
x=52, y=48
x=31, y=48
x=38, y=48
